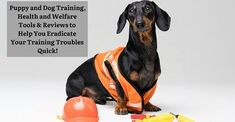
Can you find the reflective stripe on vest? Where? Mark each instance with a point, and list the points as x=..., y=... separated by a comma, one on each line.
x=134, y=102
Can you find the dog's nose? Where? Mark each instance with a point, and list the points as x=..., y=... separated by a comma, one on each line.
x=140, y=25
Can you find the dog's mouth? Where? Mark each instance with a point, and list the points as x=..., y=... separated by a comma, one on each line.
x=143, y=29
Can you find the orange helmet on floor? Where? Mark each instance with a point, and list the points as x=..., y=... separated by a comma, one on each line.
x=80, y=109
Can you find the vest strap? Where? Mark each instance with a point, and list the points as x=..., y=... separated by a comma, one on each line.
x=114, y=77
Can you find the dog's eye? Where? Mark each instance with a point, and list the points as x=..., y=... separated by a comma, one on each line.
x=147, y=9
x=132, y=10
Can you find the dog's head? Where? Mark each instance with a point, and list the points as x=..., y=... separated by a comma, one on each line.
x=142, y=15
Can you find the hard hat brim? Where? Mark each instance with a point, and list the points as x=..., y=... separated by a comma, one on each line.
x=82, y=119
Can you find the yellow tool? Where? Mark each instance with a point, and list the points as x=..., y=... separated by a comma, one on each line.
x=182, y=118
x=159, y=118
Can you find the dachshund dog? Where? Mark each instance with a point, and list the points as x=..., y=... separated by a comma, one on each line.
x=138, y=62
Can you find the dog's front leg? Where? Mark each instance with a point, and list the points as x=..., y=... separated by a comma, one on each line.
x=121, y=108
x=150, y=107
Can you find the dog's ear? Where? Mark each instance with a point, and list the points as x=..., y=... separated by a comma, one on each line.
x=122, y=20
x=162, y=19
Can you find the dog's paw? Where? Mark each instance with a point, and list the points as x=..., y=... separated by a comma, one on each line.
x=151, y=107
x=120, y=110
x=99, y=100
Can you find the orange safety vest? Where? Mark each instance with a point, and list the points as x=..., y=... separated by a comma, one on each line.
x=135, y=100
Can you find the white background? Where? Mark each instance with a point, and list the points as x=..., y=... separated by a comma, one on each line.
x=197, y=58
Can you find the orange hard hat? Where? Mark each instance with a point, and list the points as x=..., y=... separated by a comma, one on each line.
x=80, y=109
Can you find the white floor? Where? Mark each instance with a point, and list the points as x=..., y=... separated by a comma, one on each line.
x=31, y=100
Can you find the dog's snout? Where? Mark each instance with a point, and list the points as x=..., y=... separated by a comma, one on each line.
x=140, y=25
x=139, y=21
